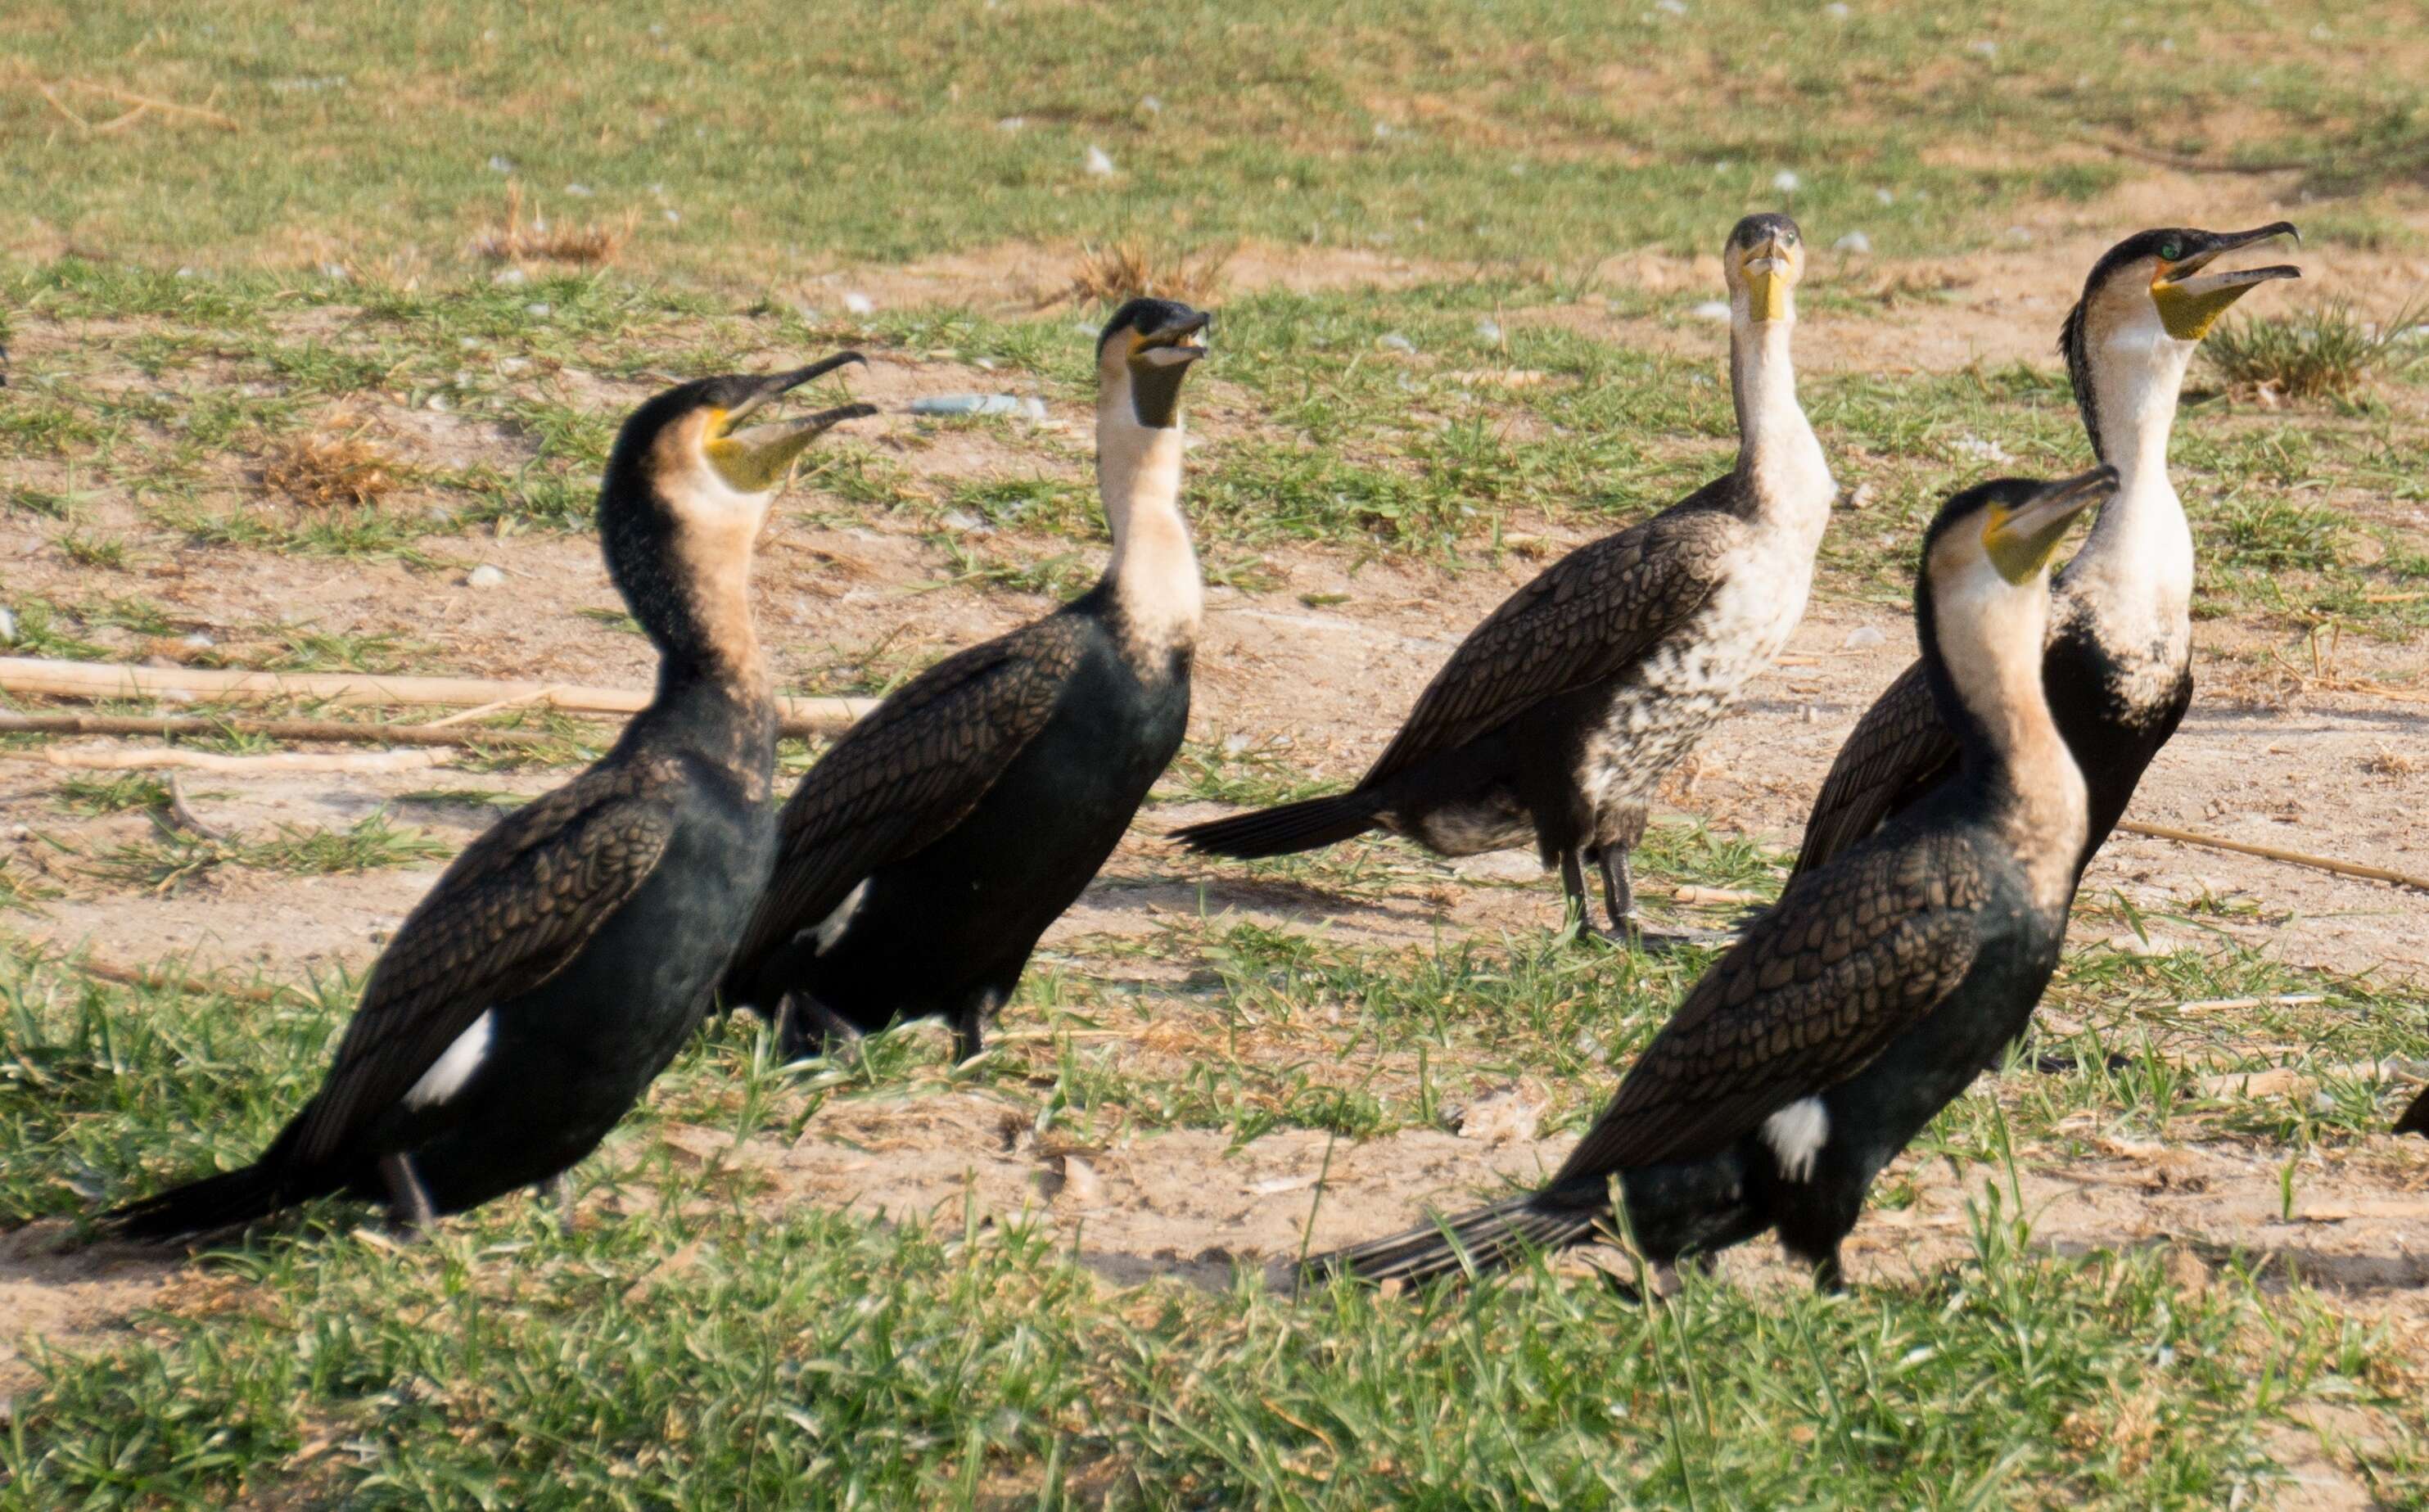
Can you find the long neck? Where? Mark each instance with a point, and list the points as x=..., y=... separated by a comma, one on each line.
x=714, y=694
x=2138, y=561
x=1153, y=573
x=1983, y=647
x=1777, y=452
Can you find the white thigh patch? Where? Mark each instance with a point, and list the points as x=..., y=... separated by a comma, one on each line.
x=447, y=1074
x=1796, y=1134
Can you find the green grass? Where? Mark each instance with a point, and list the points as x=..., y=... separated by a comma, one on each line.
x=2325, y=352
x=750, y=143
x=693, y=1342
x=1370, y=453
x=167, y=858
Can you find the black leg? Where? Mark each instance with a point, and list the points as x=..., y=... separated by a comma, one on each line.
x=560, y=1191
x=807, y=1028
x=969, y=1024
x=1828, y=1275
x=1618, y=888
x=408, y=1204
x=1572, y=886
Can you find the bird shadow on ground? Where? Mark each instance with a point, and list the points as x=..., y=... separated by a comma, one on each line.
x=2278, y=1266
x=1303, y=903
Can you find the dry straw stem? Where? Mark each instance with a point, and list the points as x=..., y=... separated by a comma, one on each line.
x=143, y=105
x=119, y=759
x=537, y=241
x=321, y=469
x=1132, y=270
x=2292, y=858
x=39, y=676
x=105, y=970
x=169, y=727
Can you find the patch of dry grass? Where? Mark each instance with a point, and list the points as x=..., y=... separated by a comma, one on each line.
x=324, y=468
x=537, y=240
x=2325, y=352
x=1132, y=269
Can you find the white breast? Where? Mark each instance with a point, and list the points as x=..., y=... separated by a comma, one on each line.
x=1688, y=681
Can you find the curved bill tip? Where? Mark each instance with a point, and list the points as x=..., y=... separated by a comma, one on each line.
x=795, y=379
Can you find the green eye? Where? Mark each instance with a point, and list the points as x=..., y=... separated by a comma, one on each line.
x=2171, y=250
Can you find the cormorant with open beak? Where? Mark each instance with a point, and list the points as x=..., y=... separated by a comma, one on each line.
x=922, y=857
x=560, y=964
x=1872, y=993
x=1557, y=718
x=2118, y=666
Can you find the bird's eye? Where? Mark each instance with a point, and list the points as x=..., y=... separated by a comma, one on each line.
x=2171, y=250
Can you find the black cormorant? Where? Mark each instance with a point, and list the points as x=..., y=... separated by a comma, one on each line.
x=921, y=859
x=1870, y=995
x=2118, y=666
x=1557, y=716
x=566, y=955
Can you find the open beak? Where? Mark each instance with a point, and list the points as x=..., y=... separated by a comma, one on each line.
x=2191, y=301
x=755, y=460
x=1181, y=342
x=1766, y=277
x=2022, y=541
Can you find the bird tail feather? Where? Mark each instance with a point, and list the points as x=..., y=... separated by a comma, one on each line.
x=1488, y=1239
x=225, y=1200
x=2416, y=1118
x=1283, y=828
x=205, y=1206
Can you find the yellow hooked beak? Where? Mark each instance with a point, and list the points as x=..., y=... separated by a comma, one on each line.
x=2020, y=542
x=2191, y=301
x=756, y=460
x=1766, y=276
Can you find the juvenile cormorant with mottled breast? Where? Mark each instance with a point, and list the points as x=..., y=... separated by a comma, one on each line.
x=1557, y=718
x=922, y=857
x=2119, y=666
x=1870, y=995
x=567, y=953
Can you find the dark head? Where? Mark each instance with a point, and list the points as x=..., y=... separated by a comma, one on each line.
x=688, y=489
x=2149, y=300
x=1145, y=351
x=1762, y=262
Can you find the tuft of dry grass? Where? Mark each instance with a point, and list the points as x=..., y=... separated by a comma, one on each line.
x=1132, y=270
x=2389, y=761
x=2325, y=352
x=323, y=469
x=535, y=240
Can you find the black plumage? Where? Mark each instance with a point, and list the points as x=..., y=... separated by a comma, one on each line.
x=922, y=857
x=2119, y=662
x=561, y=961
x=2416, y=1118
x=1557, y=716
x=1855, y=1009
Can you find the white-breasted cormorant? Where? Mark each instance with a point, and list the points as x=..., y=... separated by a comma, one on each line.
x=562, y=960
x=921, y=859
x=1557, y=716
x=2120, y=661
x=1871, y=994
